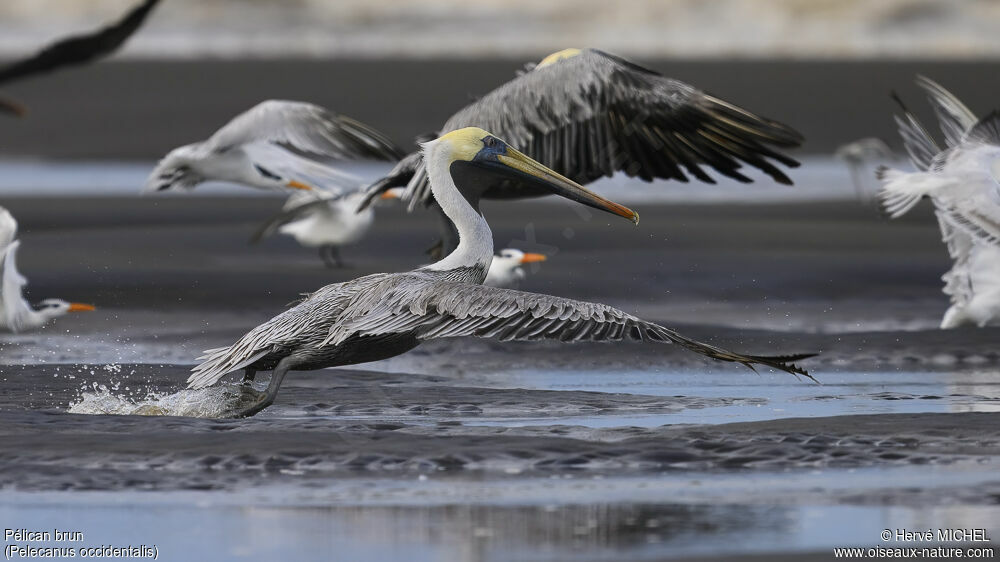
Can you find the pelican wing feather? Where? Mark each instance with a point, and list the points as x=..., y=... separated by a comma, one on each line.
x=595, y=114
x=407, y=303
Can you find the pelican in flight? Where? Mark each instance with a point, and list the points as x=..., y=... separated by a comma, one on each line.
x=75, y=50
x=962, y=180
x=506, y=269
x=587, y=114
x=386, y=314
x=251, y=150
x=323, y=219
x=16, y=315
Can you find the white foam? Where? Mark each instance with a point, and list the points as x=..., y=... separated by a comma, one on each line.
x=204, y=403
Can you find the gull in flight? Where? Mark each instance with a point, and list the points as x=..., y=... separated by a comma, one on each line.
x=264, y=148
x=962, y=180
x=16, y=314
x=386, y=314
x=506, y=269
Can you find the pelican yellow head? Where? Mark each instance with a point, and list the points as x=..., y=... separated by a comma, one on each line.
x=558, y=56
x=473, y=147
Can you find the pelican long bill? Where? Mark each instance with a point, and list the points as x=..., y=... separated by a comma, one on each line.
x=560, y=184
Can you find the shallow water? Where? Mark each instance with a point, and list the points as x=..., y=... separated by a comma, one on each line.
x=469, y=449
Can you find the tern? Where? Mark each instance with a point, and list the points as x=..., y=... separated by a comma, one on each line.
x=323, y=219
x=961, y=180
x=506, y=269
x=386, y=314
x=16, y=315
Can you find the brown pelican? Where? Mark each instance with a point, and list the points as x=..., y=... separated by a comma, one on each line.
x=386, y=314
x=16, y=315
x=79, y=49
x=506, y=268
x=587, y=114
x=323, y=219
x=961, y=181
x=251, y=150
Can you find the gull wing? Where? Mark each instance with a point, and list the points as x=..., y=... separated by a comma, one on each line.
x=321, y=176
x=957, y=281
x=79, y=49
x=923, y=150
x=443, y=309
x=307, y=128
x=13, y=308
x=954, y=118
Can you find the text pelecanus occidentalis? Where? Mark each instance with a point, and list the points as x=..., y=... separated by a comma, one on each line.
x=76, y=50
x=386, y=314
x=251, y=150
x=961, y=181
x=587, y=114
x=16, y=315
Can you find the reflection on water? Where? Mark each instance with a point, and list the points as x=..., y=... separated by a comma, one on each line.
x=481, y=531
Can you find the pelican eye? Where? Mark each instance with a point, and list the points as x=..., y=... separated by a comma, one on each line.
x=491, y=142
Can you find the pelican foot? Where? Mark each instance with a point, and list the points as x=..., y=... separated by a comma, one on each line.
x=247, y=402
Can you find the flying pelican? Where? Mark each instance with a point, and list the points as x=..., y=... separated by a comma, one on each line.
x=75, y=50
x=323, y=219
x=961, y=181
x=587, y=114
x=505, y=269
x=251, y=150
x=386, y=314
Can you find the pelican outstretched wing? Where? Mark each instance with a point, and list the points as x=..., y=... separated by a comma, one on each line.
x=443, y=309
x=594, y=114
x=13, y=307
x=305, y=127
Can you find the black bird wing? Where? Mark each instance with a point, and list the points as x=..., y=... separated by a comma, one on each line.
x=595, y=114
x=79, y=49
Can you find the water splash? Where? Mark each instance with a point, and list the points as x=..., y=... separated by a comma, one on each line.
x=203, y=403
